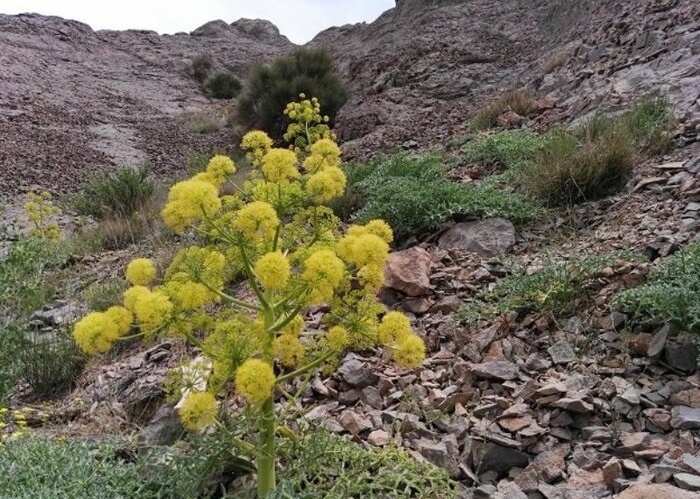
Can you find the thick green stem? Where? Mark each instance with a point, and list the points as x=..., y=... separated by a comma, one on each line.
x=267, y=451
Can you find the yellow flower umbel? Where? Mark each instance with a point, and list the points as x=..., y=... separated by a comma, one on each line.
x=279, y=164
x=152, y=309
x=323, y=273
x=141, y=272
x=198, y=410
x=273, y=270
x=189, y=201
x=218, y=168
x=257, y=220
x=254, y=381
x=326, y=184
x=97, y=332
x=257, y=143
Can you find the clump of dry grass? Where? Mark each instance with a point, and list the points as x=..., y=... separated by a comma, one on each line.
x=517, y=101
x=555, y=62
x=569, y=169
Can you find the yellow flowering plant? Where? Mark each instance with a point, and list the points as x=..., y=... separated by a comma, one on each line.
x=41, y=213
x=291, y=251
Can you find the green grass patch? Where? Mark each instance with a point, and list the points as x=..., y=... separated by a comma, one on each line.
x=593, y=160
x=559, y=289
x=412, y=194
x=671, y=294
x=118, y=194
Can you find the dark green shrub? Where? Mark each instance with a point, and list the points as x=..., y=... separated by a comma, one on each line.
x=412, y=194
x=118, y=194
x=223, y=85
x=201, y=67
x=271, y=88
x=671, y=294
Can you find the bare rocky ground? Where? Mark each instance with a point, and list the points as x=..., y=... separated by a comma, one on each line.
x=519, y=407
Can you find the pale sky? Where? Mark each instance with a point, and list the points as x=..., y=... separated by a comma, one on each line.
x=299, y=20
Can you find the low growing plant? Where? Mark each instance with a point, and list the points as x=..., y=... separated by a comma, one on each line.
x=321, y=464
x=671, y=294
x=557, y=289
x=42, y=468
x=118, y=194
x=277, y=234
x=412, y=194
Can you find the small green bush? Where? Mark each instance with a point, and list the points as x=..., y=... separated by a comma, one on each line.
x=27, y=282
x=650, y=123
x=118, y=194
x=25, y=275
x=559, y=289
x=412, y=194
x=204, y=122
x=593, y=160
x=270, y=88
x=671, y=294
x=515, y=150
x=11, y=347
x=223, y=85
x=201, y=67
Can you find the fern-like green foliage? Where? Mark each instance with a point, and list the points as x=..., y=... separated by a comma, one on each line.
x=412, y=194
x=321, y=464
x=671, y=294
x=270, y=88
x=36, y=468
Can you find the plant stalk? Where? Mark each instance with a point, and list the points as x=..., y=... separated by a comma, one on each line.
x=267, y=451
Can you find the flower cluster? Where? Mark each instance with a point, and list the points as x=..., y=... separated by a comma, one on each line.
x=189, y=201
x=307, y=124
x=98, y=331
x=40, y=212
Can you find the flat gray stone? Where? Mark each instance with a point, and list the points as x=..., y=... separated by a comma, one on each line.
x=486, y=238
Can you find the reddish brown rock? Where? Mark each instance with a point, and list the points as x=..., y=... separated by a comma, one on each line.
x=408, y=271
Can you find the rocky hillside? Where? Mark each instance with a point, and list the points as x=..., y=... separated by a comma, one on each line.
x=73, y=100
x=421, y=69
x=576, y=403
